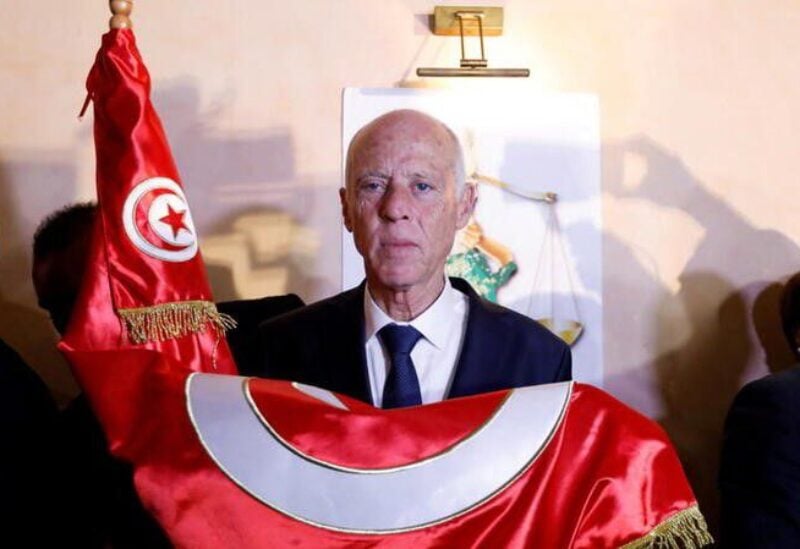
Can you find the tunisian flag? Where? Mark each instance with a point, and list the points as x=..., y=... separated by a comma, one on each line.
x=227, y=461
x=146, y=284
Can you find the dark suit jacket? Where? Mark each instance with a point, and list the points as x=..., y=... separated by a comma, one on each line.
x=760, y=467
x=248, y=314
x=323, y=345
x=30, y=476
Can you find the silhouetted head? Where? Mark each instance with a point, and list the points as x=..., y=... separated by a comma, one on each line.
x=60, y=254
x=404, y=199
x=790, y=313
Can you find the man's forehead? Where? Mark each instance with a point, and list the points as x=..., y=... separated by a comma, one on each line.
x=427, y=132
x=403, y=125
x=407, y=142
x=409, y=162
x=400, y=147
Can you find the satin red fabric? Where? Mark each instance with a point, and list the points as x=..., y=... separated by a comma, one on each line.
x=608, y=476
x=318, y=430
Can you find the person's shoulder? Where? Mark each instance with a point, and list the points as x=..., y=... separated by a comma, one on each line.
x=777, y=391
x=513, y=324
x=263, y=307
x=322, y=311
x=25, y=400
x=761, y=442
x=17, y=379
x=524, y=325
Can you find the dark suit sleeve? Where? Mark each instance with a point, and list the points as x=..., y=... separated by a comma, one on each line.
x=287, y=347
x=248, y=314
x=277, y=344
x=270, y=354
x=760, y=466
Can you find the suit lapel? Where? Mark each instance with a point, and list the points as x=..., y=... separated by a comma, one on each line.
x=482, y=349
x=346, y=344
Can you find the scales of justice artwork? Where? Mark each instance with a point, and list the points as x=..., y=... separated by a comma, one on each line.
x=534, y=242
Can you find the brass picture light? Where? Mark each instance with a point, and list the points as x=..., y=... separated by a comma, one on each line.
x=469, y=21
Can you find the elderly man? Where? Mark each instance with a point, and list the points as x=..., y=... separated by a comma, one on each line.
x=408, y=335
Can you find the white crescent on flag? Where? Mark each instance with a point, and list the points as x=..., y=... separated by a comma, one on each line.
x=158, y=222
x=248, y=450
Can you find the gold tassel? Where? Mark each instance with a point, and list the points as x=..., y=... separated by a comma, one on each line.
x=173, y=320
x=686, y=529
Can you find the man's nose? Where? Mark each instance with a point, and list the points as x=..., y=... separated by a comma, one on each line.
x=396, y=203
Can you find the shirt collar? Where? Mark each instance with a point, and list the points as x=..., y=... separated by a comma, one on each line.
x=433, y=323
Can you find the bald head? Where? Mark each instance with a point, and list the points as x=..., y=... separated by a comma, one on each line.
x=430, y=130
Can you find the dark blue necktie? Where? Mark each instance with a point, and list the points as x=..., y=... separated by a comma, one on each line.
x=402, y=386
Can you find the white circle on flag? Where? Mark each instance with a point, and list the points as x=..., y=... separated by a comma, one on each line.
x=158, y=222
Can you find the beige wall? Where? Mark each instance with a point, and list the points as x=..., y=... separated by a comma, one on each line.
x=699, y=115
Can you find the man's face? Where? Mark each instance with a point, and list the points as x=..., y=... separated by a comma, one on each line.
x=401, y=201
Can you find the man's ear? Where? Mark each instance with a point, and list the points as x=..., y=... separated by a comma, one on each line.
x=345, y=211
x=466, y=204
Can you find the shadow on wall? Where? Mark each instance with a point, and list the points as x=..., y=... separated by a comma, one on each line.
x=227, y=176
x=260, y=252
x=32, y=184
x=253, y=211
x=705, y=337
x=217, y=167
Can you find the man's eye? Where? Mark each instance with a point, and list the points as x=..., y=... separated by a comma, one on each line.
x=422, y=187
x=371, y=185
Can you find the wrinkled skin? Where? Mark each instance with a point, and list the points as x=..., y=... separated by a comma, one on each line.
x=404, y=207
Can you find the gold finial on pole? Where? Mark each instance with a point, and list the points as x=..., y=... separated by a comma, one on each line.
x=120, y=9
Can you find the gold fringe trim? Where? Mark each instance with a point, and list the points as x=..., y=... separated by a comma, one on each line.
x=686, y=529
x=173, y=320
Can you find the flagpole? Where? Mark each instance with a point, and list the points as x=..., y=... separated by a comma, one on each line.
x=120, y=9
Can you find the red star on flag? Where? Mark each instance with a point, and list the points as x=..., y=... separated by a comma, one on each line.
x=174, y=220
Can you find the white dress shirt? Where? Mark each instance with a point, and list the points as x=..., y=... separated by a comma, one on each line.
x=435, y=355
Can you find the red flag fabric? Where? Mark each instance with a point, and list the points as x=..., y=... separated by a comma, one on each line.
x=257, y=463
x=145, y=263
x=262, y=463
